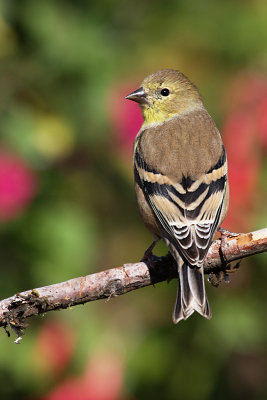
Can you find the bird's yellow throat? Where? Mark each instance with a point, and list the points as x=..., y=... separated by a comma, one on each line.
x=157, y=115
x=154, y=115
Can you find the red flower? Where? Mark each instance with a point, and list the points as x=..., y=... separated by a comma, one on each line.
x=245, y=138
x=126, y=118
x=70, y=389
x=17, y=186
x=55, y=346
x=102, y=380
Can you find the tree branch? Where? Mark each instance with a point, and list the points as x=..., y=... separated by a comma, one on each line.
x=120, y=280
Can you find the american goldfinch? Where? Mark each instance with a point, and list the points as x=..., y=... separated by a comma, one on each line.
x=181, y=183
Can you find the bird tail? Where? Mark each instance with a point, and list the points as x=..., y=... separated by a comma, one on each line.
x=191, y=295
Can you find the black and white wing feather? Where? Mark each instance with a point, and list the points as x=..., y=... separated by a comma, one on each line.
x=189, y=211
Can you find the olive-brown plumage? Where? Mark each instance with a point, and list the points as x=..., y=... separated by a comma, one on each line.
x=181, y=181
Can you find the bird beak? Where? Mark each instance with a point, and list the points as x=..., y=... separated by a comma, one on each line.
x=138, y=95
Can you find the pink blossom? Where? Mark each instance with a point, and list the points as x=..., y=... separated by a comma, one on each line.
x=70, y=389
x=245, y=138
x=55, y=345
x=102, y=380
x=126, y=118
x=17, y=186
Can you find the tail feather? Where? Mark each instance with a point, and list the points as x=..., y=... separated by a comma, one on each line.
x=196, y=284
x=191, y=295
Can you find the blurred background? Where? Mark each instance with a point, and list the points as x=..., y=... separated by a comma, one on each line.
x=67, y=204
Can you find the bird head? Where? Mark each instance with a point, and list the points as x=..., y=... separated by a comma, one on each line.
x=164, y=94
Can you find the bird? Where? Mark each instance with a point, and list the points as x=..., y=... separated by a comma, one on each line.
x=181, y=182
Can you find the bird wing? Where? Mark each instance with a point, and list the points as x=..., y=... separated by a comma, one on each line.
x=189, y=211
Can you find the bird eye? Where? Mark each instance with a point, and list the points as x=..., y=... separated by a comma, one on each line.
x=165, y=92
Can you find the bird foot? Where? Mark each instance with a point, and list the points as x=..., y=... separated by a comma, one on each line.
x=225, y=234
x=148, y=256
x=216, y=278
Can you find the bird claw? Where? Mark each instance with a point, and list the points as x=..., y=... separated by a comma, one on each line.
x=148, y=256
x=225, y=234
x=216, y=278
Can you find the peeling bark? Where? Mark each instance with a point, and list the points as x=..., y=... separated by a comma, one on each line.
x=117, y=281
